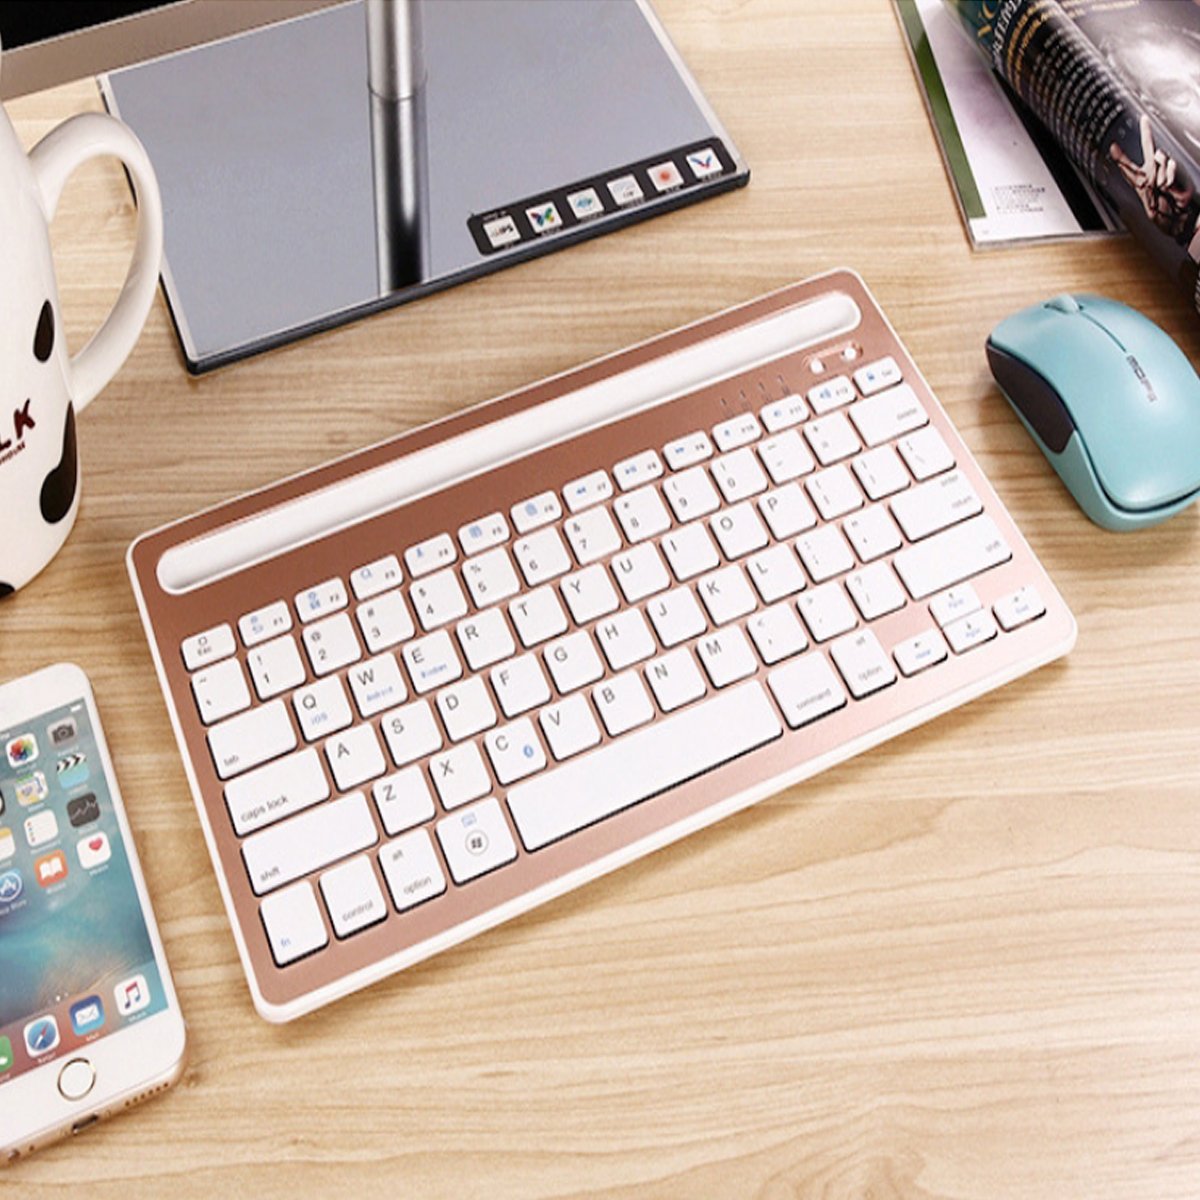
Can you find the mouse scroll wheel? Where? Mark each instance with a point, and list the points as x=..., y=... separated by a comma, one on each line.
x=1064, y=304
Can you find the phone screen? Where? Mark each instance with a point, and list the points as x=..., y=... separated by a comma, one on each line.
x=76, y=960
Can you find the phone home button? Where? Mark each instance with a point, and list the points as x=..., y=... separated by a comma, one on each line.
x=76, y=1079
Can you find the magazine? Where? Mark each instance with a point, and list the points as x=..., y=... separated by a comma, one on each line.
x=1117, y=85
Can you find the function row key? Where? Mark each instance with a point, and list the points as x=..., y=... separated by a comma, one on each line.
x=875, y=376
x=640, y=468
x=209, y=646
x=587, y=490
x=783, y=413
x=535, y=512
x=321, y=599
x=380, y=576
x=265, y=623
x=427, y=556
x=736, y=432
x=484, y=533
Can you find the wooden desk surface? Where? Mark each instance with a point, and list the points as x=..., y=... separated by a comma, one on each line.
x=965, y=965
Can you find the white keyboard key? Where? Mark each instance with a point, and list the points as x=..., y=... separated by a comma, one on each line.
x=1019, y=607
x=950, y=557
x=625, y=638
x=737, y=431
x=642, y=514
x=805, y=689
x=490, y=577
x=862, y=663
x=641, y=468
x=265, y=623
x=640, y=573
x=538, y=616
x=676, y=617
x=917, y=653
x=275, y=667
x=539, y=510
x=292, y=919
x=353, y=897
x=648, y=762
x=475, y=841
x=438, y=599
x=403, y=800
x=834, y=492
x=321, y=599
x=573, y=662
x=726, y=595
x=331, y=644
x=968, y=632
x=515, y=751
x=926, y=453
x=775, y=573
x=690, y=551
x=675, y=680
x=875, y=590
x=622, y=703
x=466, y=708
x=385, y=621
x=955, y=602
x=375, y=577
x=933, y=506
x=377, y=684
x=460, y=776
x=411, y=870
x=872, y=533
x=888, y=415
x=787, y=511
x=251, y=738
x=726, y=656
x=569, y=727
x=432, y=662
x=220, y=691
x=483, y=533
x=430, y=555
x=881, y=472
x=211, y=646
x=592, y=535
x=588, y=490
x=739, y=475
x=825, y=553
x=783, y=413
x=739, y=530
x=486, y=639
x=322, y=709
x=875, y=376
x=308, y=842
x=777, y=633
x=691, y=494
x=688, y=450
x=411, y=733
x=590, y=594
x=832, y=438
x=286, y=786
x=833, y=393
x=520, y=685
x=786, y=457
x=826, y=612
x=354, y=757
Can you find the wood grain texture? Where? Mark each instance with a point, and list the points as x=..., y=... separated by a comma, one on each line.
x=962, y=967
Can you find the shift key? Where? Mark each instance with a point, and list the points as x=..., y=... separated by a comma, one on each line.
x=951, y=556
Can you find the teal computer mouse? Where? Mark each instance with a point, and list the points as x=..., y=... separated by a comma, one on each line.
x=1111, y=401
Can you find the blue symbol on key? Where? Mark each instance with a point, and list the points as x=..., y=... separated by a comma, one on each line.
x=468, y=820
x=530, y=509
x=476, y=531
x=528, y=751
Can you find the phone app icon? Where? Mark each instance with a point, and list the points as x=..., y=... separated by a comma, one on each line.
x=63, y=733
x=8, y=844
x=83, y=810
x=51, y=868
x=87, y=1015
x=94, y=851
x=72, y=769
x=41, y=828
x=41, y=1035
x=11, y=886
x=21, y=750
x=31, y=789
x=132, y=995
x=6, y=1054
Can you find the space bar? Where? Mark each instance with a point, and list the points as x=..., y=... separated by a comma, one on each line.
x=642, y=764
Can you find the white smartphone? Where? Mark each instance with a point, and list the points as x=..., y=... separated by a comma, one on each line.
x=89, y=1021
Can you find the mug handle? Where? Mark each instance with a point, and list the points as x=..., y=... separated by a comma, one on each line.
x=54, y=158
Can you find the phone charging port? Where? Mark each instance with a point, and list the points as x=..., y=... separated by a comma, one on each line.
x=83, y=1124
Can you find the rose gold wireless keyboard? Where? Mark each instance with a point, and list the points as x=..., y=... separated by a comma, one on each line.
x=429, y=686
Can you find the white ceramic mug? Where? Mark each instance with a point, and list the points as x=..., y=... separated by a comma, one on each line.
x=41, y=386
